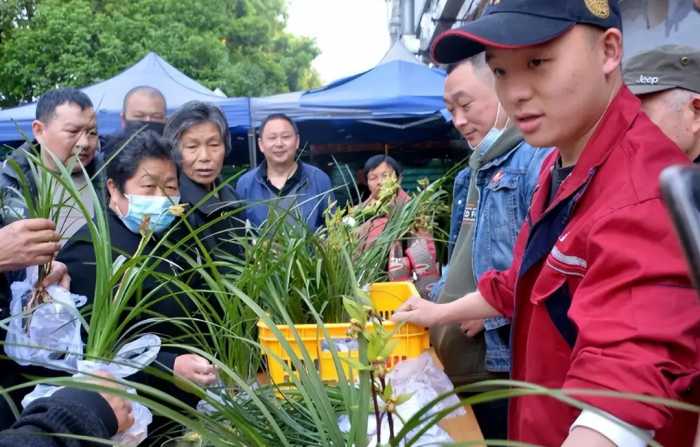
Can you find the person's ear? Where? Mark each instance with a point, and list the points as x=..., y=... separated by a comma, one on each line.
x=122, y=118
x=695, y=109
x=38, y=128
x=612, y=50
x=114, y=193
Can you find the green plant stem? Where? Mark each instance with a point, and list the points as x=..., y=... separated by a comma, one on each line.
x=377, y=411
x=389, y=416
x=360, y=423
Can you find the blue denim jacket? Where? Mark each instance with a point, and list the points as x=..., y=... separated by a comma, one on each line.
x=459, y=202
x=505, y=187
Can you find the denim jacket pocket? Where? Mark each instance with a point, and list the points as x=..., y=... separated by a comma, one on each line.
x=500, y=216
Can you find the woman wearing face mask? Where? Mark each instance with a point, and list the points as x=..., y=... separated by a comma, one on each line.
x=142, y=182
x=414, y=257
x=201, y=139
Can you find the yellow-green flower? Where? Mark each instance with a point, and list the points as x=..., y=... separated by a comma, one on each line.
x=178, y=210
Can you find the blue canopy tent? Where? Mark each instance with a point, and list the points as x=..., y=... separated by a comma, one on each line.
x=398, y=101
x=107, y=97
x=395, y=87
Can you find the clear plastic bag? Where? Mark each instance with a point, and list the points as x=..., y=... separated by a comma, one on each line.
x=48, y=336
x=131, y=358
x=424, y=381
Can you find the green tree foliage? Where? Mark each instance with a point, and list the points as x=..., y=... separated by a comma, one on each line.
x=240, y=46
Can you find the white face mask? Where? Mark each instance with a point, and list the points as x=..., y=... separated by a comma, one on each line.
x=491, y=136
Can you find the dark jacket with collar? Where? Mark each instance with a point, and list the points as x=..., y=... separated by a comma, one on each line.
x=309, y=197
x=79, y=257
x=221, y=208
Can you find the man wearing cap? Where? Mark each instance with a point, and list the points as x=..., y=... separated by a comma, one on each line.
x=667, y=80
x=491, y=199
x=598, y=291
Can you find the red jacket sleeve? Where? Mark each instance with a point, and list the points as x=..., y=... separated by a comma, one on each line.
x=637, y=315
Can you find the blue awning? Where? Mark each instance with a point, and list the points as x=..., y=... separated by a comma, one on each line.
x=107, y=97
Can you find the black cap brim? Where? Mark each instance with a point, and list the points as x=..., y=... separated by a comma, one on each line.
x=499, y=30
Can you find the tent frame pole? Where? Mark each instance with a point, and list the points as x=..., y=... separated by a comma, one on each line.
x=252, y=145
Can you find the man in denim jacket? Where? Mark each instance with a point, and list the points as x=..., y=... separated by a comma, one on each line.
x=487, y=212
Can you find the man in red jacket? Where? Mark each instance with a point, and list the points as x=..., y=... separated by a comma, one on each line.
x=598, y=290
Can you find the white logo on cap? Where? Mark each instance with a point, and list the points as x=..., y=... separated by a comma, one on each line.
x=653, y=80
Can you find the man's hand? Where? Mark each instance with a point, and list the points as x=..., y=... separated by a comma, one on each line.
x=472, y=327
x=194, y=368
x=418, y=311
x=421, y=312
x=120, y=406
x=27, y=242
x=59, y=275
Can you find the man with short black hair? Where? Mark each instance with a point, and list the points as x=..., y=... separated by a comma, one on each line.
x=667, y=80
x=65, y=131
x=302, y=189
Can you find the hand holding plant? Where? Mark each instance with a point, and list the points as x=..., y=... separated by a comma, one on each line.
x=41, y=198
x=58, y=275
x=28, y=242
x=195, y=368
x=418, y=311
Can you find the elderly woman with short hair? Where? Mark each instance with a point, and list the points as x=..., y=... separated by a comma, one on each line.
x=201, y=138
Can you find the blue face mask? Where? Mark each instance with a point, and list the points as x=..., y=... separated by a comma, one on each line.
x=157, y=208
x=485, y=144
x=491, y=136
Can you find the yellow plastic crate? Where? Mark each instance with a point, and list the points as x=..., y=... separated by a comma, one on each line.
x=386, y=297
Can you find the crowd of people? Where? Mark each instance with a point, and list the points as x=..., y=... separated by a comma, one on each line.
x=563, y=267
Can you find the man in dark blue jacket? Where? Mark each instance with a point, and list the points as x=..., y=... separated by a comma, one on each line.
x=281, y=182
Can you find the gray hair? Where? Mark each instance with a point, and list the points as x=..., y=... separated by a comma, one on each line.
x=678, y=98
x=192, y=114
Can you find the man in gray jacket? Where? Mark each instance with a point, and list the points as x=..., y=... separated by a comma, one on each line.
x=65, y=131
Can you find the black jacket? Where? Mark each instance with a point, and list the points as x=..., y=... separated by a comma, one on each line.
x=219, y=238
x=79, y=256
x=69, y=411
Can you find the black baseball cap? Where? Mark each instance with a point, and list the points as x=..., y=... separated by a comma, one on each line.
x=523, y=23
x=663, y=68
